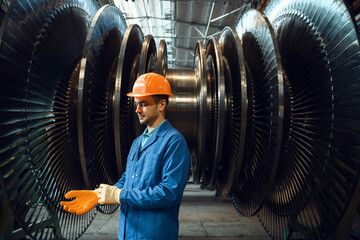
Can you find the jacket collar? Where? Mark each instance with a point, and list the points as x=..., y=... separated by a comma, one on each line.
x=160, y=132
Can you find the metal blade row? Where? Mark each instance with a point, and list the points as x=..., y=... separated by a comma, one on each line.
x=59, y=64
x=269, y=111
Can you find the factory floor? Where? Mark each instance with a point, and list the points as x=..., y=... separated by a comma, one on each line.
x=202, y=216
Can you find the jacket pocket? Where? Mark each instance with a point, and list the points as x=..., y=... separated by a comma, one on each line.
x=150, y=170
x=131, y=156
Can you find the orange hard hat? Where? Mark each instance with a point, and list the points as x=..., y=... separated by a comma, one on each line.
x=150, y=84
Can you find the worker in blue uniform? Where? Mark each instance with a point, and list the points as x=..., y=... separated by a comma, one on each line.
x=151, y=188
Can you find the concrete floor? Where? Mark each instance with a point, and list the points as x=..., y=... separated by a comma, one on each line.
x=202, y=216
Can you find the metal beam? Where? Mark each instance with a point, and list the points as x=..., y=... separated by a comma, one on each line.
x=179, y=37
x=201, y=34
x=147, y=15
x=210, y=16
x=226, y=14
x=178, y=21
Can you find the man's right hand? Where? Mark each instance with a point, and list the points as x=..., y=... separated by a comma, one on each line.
x=108, y=194
x=84, y=201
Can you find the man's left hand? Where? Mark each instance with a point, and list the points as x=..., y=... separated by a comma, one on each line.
x=84, y=201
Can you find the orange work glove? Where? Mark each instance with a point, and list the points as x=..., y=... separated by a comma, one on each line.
x=84, y=201
x=108, y=194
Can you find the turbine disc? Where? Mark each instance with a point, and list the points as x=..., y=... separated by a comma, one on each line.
x=162, y=59
x=39, y=57
x=94, y=116
x=203, y=108
x=265, y=113
x=236, y=102
x=148, y=56
x=124, y=119
x=216, y=121
x=319, y=46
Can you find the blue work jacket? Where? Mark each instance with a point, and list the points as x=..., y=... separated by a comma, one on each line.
x=153, y=185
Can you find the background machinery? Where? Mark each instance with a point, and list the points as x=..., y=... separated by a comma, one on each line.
x=270, y=110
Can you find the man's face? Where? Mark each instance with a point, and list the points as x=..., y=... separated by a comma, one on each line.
x=147, y=110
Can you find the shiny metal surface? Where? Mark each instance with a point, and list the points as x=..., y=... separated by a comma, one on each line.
x=320, y=53
x=94, y=116
x=124, y=119
x=162, y=58
x=182, y=108
x=215, y=76
x=38, y=146
x=102, y=43
x=265, y=113
x=148, y=56
x=235, y=94
x=222, y=106
x=202, y=93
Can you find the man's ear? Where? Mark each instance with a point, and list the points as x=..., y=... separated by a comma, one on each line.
x=162, y=103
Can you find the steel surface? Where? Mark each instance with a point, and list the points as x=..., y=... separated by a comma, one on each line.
x=319, y=47
x=38, y=128
x=236, y=111
x=265, y=113
x=94, y=116
x=124, y=118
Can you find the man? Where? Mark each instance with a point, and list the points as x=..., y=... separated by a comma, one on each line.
x=151, y=188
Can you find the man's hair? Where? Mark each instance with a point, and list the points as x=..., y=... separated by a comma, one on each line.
x=157, y=98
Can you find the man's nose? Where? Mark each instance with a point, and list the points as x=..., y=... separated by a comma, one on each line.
x=138, y=109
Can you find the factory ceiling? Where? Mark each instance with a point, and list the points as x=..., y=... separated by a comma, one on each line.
x=182, y=23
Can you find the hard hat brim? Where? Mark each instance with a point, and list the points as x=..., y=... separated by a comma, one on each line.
x=146, y=94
